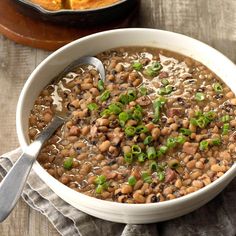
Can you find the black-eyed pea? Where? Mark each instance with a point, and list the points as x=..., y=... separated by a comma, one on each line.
x=94, y=92
x=85, y=130
x=104, y=146
x=199, y=165
x=174, y=126
x=197, y=183
x=233, y=101
x=170, y=196
x=105, y=194
x=218, y=168
x=139, y=198
x=145, y=187
x=126, y=189
x=178, y=183
x=195, y=174
x=82, y=156
x=138, y=184
x=191, y=189
x=167, y=190
x=191, y=164
x=122, y=199
x=86, y=86
x=65, y=179
x=137, y=82
x=155, y=133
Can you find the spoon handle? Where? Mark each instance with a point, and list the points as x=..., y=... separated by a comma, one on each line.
x=12, y=185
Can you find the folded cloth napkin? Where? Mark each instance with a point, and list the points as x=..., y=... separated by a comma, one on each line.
x=217, y=218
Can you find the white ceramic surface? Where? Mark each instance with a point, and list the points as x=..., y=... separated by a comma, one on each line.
x=91, y=45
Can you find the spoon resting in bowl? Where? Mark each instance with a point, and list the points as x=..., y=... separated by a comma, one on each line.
x=12, y=185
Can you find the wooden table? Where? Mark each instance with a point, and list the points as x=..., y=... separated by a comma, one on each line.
x=211, y=21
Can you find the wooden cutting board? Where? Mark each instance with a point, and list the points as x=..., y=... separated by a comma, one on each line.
x=42, y=34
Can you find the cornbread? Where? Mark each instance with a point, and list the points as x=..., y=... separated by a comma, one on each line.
x=55, y=5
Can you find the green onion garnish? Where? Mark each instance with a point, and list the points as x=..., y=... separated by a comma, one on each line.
x=137, y=66
x=132, y=180
x=154, y=69
x=123, y=117
x=143, y=91
x=132, y=95
x=164, y=82
x=115, y=108
x=184, y=131
x=68, y=163
x=101, y=183
x=100, y=85
x=147, y=140
x=105, y=95
x=130, y=131
x=128, y=157
x=161, y=175
x=225, y=129
x=165, y=90
x=171, y=142
x=203, y=119
x=199, y=96
x=141, y=157
x=124, y=99
x=180, y=139
x=141, y=129
x=151, y=153
x=136, y=150
x=153, y=166
x=217, y=87
x=105, y=112
x=203, y=145
x=100, y=179
x=157, y=106
x=146, y=177
x=225, y=118
x=216, y=141
x=163, y=149
x=92, y=106
x=137, y=115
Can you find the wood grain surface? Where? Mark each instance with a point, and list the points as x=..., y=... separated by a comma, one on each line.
x=211, y=21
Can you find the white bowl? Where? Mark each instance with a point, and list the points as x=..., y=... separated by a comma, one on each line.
x=91, y=45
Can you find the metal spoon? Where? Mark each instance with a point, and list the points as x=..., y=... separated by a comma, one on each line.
x=12, y=185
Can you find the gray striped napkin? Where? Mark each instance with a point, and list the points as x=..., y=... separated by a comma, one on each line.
x=217, y=218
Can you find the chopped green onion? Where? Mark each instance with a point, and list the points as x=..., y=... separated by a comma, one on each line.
x=180, y=139
x=157, y=105
x=151, y=153
x=139, y=108
x=143, y=91
x=153, y=166
x=115, y=108
x=141, y=157
x=216, y=141
x=225, y=129
x=131, y=95
x=141, y=129
x=136, y=150
x=132, y=180
x=128, y=157
x=203, y=145
x=161, y=175
x=99, y=189
x=105, y=112
x=184, y=131
x=165, y=90
x=147, y=140
x=123, y=117
x=154, y=69
x=105, y=95
x=137, y=65
x=199, y=96
x=92, y=106
x=203, y=119
x=171, y=142
x=100, y=85
x=163, y=149
x=217, y=87
x=137, y=115
x=225, y=118
x=130, y=131
x=101, y=179
x=164, y=82
x=124, y=99
x=146, y=177
x=68, y=163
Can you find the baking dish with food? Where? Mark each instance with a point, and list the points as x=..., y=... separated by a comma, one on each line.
x=129, y=213
x=81, y=18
